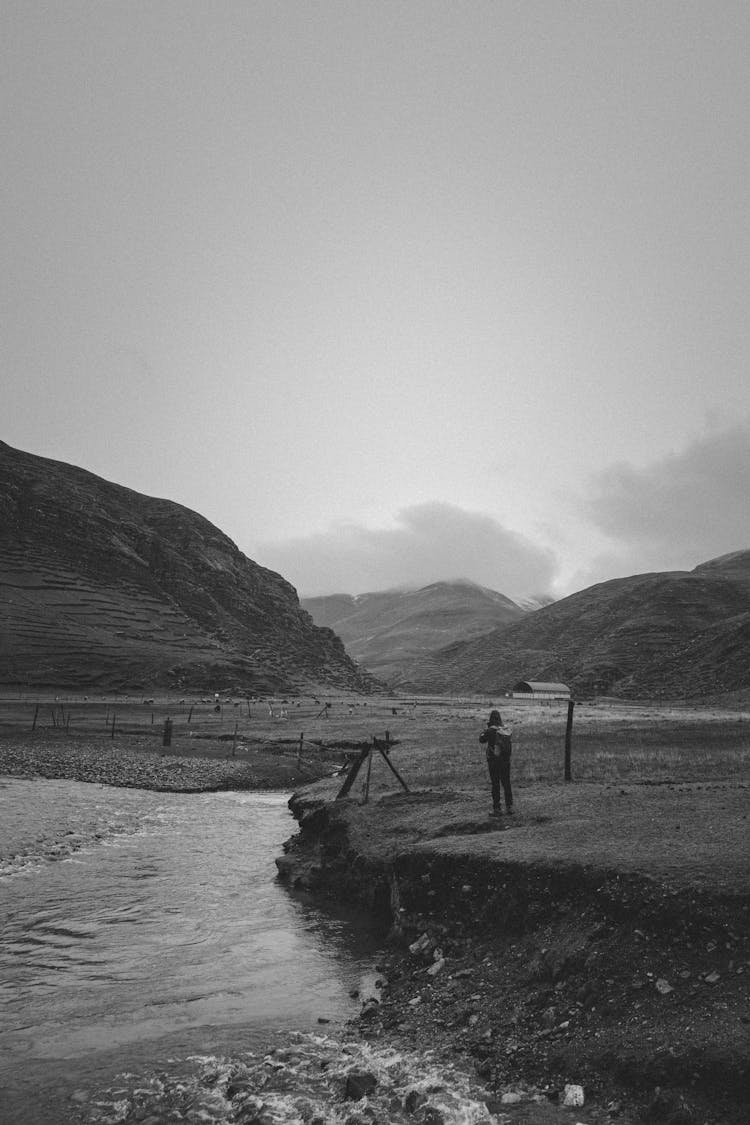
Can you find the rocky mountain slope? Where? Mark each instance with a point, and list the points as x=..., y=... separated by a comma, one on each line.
x=101, y=586
x=677, y=634
x=394, y=633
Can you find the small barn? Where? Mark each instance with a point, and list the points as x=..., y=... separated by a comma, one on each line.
x=536, y=689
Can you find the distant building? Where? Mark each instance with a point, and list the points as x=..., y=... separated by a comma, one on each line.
x=535, y=689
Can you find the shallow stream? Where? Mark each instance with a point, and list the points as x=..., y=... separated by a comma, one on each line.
x=152, y=970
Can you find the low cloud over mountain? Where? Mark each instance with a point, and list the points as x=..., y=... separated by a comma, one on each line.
x=429, y=542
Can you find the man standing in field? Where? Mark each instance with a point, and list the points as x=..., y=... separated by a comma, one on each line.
x=498, y=744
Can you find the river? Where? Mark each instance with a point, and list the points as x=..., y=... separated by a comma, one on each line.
x=153, y=970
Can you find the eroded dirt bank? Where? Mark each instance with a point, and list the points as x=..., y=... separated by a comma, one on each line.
x=599, y=937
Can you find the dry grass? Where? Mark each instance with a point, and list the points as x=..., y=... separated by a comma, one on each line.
x=692, y=831
x=437, y=737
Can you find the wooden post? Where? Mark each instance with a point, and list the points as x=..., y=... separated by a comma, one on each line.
x=353, y=771
x=383, y=750
x=33, y=723
x=299, y=748
x=367, y=780
x=166, y=739
x=568, y=739
x=114, y=716
x=190, y=715
x=234, y=741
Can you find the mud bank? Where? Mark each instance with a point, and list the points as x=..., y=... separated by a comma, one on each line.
x=541, y=970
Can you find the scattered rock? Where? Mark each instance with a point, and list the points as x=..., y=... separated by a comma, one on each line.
x=430, y=1115
x=573, y=1096
x=423, y=946
x=359, y=1083
x=511, y=1098
x=413, y=1100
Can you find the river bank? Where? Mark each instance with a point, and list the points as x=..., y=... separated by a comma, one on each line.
x=137, y=763
x=600, y=937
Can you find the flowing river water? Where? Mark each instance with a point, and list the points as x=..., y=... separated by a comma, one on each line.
x=153, y=970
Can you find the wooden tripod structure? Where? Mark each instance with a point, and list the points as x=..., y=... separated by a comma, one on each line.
x=366, y=756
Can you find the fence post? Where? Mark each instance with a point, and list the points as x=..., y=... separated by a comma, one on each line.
x=299, y=747
x=167, y=735
x=568, y=739
x=33, y=724
x=114, y=716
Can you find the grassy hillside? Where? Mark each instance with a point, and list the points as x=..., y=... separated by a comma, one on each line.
x=672, y=634
x=100, y=585
x=394, y=633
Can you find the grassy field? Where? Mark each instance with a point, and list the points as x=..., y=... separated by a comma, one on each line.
x=436, y=738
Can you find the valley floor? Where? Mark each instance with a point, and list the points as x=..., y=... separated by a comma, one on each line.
x=599, y=937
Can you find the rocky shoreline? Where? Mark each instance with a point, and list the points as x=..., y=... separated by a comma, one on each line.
x=136, y=764
x=541, y=974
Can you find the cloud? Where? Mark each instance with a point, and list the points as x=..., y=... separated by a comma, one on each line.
x=679, y=511
x=429, y=543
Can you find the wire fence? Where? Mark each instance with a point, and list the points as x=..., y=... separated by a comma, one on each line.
x=435, y=739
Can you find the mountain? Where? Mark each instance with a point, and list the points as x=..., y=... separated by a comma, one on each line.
x=674, y=634
x=394, y=633
x=102, y=586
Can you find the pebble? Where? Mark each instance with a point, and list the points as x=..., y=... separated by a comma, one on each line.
x=107, y=763
x=573, y=1096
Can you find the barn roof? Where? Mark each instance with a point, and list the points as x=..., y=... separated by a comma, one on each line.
x=538, y=685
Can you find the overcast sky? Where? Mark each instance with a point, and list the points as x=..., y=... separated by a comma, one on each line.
x=389, y=291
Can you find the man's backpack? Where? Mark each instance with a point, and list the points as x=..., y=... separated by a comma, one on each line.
x=499, y=742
